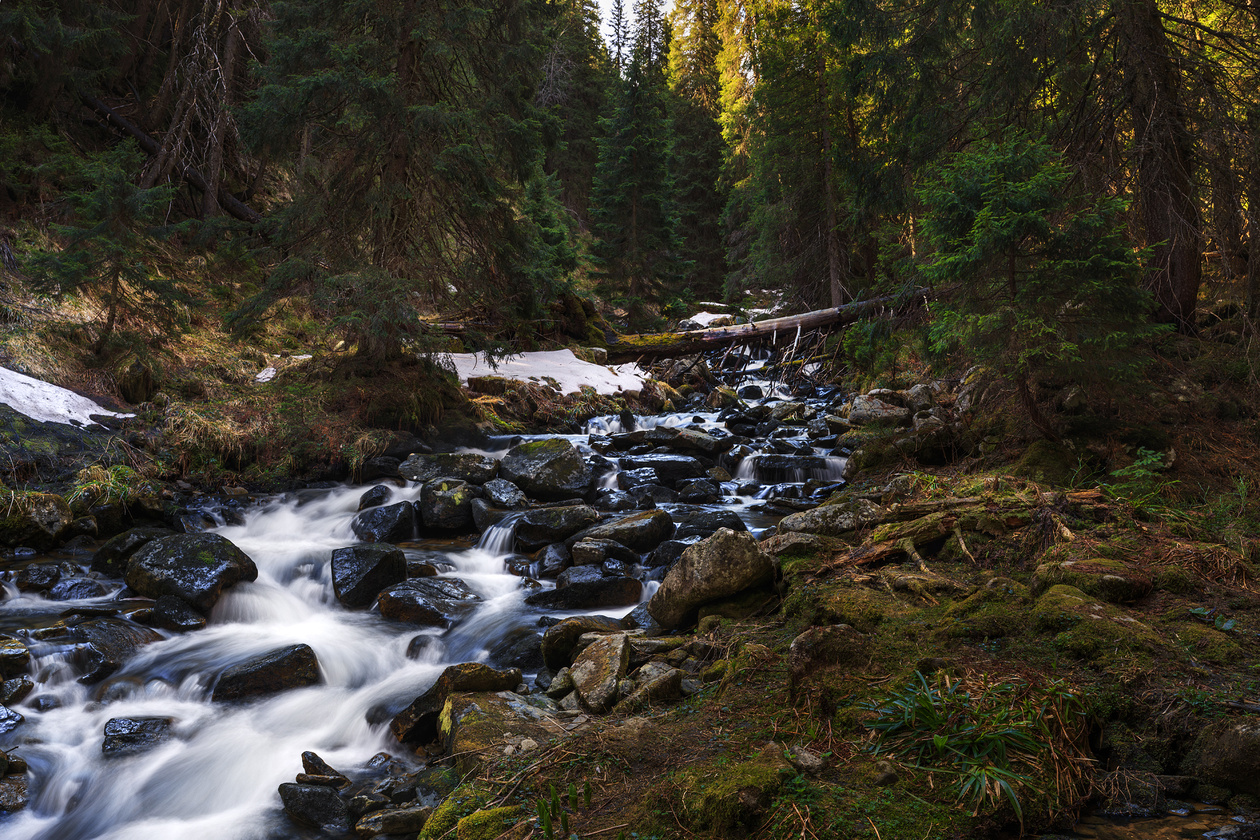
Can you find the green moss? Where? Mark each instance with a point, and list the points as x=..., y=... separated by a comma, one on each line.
x=1089, y=629
x=991, y=613
x=1111, y=580
x=1209, y=644
x=488, y=824
x=732, y=798
x=836, y=602
x=465, y=800
x=1047, y=462
x=1174, y=579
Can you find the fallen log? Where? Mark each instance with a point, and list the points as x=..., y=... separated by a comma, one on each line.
x=626, y=348
x=227, y=201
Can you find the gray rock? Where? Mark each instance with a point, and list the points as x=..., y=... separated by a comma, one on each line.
x=430, y=602
x=102, y=645
x=111, y=558
x=834, y=520
x=630, y=479
x=14, y=691
x=14, y=656
x=128, y=736
x=382, y=466
x=871, y=409
x=1227, y=754
x=393, y=523
x=393, y=821
x=315, y=806
x=501, y=492
x=693, y=521
x=418, y=723
x=541, y=526
x=593, y=552
x=177, y=615
x=561, y=639
x=446, y=504
x=359, y=572
x=598, y=669
x=550, y=469
x=590, y=594
x=280, y=670
x=375, y=497
x=467, y=466
x=9, y=720
x=670, y=469
x=77, y=589
x=194, y=567
x=640, y=532
x=723, y=565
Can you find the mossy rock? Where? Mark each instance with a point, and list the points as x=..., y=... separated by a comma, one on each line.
x=1112, y=580
x=488, y=824
x=1174, y=579
x=37, y=520
x=1047, y=462
x=831, y=602
x=732, y=800
x=1089, y=629
x=1209, y=644
x=466, y=799
x=473, y=725
x=994, y=612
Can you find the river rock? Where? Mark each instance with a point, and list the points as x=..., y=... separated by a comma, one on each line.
x=429, y=602
x=128, y=736
x=599, y=668
x=359, y=572
x=466, y=466
x=689, y=440
x=382, y=466
x=38, y=520
x=418, y=723
x=597, y=593
x=869, y=408
x=694, y=521
x=280, y=670
x=550, y=469
x=446, y=504
x=393, y=523
x=38, y=577
x=315, y=806
x=14, y=691
x=13, y=793
x=654, y=688
x=834, y=520
x=375, y=497
x=560, y=640
x=593, y=552
x=1227, y=753
x=722, y=565
x=501, y=492
x=476, y=725
x=699, y=491
x=101, y=645
x=77, y=589
x=111, y=558
x=640, y=532
x=194, y=567
x=393, y=821
x=9, y=720
x=14, y=656
x=630, y=479
x=177, y=615
x=541, y=526
x=670, y=469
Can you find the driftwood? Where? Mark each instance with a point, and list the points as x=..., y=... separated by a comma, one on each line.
x=227, y=201
x=659, y=345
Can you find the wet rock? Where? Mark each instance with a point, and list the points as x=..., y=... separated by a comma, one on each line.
x=553, y=560
x=550, y=469
x=541, y=526
x=9, y=720
x=640, y=532
x=648, y=496
x=593, y=552
x=670, y=469
x=194, y=567
x=446, y=504
x=177, y=615
x=382, y=466
x=501, y=492
x=521, y=648
x=614, y=501
x=15, y=690
x=630, y=479
x=39, y=520
x=102, y=645
x=430, y=602
x=560, y=640
x=316, y=766
x=689, y=440
x=699, y=491
x=421, y=644
x=77, y=589
x=750, y=392
x=668, y=552
x=38, y=577
x=418, y=723
x=13, y=793
x=693, y=521
x=597, y=670
x=14, y=656
x=1227, y=753
x=280, y=670
x=466, y=466
x=834, y=520
x=586, y=594
x=375, y=497
x=393, y=821
x=128, y=736
x=392, y=523
x=359, y=572
x=111, y=558
x=722, y=565
x=315, y=806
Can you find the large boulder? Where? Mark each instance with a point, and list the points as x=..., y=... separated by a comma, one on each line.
x=418, y=723
x=111, y=558
x=101, y=645
x=870, y=408
x=670, y=469
x=429, y=602
x=315, y=806
x=543, y=526
x=37, y=520
x=550, y=469
x=640, y=531
x=392, y=523
x=446, y=504
x=599, y=668
x=834, y=520
x=725, y=564
x=593, y=591
x=193, y=567
x=689, y=440
x=361, y=571
x=279, y=670
x=472, y=467
x=696, y=521
x=561, y=639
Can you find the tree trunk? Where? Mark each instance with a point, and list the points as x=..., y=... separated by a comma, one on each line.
x=218, y=134
x=114, y=291
x=1163, y=159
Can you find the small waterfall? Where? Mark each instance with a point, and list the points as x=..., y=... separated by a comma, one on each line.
x=500, y=538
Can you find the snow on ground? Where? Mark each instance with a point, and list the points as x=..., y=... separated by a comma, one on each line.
x=47, y=403
x=568, y=371
x=704, y=319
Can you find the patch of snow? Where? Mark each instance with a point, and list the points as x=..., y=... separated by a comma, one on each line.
x=704, y=319
x=266, y=375
x=48, y=403
x=569, y=372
